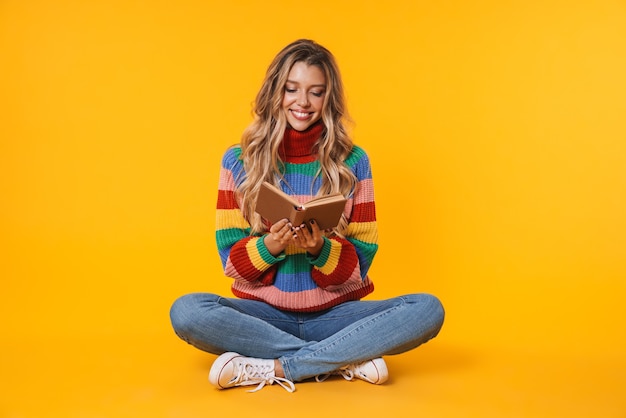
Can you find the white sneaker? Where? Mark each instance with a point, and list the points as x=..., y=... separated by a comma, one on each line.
x=232, y=369
x=372, y=371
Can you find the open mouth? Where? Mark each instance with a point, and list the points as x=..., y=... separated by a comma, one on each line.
x=301, y=115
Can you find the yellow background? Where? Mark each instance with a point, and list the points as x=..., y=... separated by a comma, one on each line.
x=498, y=142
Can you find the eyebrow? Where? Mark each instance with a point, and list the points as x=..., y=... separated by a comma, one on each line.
x=313, y=85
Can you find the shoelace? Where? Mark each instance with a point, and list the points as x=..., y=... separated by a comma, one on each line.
x=346, y=373
x=253, y=374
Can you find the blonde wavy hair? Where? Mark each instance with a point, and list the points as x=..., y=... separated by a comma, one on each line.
x=261, y=141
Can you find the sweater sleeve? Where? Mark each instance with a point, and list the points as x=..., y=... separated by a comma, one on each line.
x=243, y=256
x=344, y=261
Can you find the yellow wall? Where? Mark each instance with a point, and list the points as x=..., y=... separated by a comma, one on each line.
x=496, y=128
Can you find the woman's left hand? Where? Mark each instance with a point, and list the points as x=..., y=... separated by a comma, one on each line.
x=308, y=237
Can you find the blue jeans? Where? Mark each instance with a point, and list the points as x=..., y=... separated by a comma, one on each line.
x=307, y=344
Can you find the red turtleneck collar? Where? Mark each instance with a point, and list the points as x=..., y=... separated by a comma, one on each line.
x=298, y=146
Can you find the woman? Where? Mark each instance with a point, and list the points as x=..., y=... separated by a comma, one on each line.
x=298, y=312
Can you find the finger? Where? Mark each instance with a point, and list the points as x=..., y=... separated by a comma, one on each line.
x=286, y=229
x=295, y=233
x=301, y=237
x=276, y=227
x=283, y=223
x=315, y=229
x=304, y=231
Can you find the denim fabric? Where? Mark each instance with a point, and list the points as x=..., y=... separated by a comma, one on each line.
x=307, y=344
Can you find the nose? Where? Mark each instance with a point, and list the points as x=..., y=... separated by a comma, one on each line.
x=303, y=99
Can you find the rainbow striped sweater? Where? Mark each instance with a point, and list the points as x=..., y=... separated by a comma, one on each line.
x=294, y=280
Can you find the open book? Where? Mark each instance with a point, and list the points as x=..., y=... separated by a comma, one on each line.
x=273, y=204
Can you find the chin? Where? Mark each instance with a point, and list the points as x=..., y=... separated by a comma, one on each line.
x=300, y=125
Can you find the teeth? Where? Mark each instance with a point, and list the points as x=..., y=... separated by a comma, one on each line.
x=300, y=114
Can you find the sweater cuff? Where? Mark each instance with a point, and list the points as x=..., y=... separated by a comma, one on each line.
x=265, y=254
x=322, y=258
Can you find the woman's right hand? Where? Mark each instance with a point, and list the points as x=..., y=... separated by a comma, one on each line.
x=279, y=236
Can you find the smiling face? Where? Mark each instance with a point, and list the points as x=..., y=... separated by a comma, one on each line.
x=304, y=93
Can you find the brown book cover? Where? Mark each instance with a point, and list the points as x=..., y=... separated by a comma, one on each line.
x=273, y=204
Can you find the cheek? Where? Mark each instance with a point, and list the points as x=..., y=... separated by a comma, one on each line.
x=318, y=102
x=288, y=99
